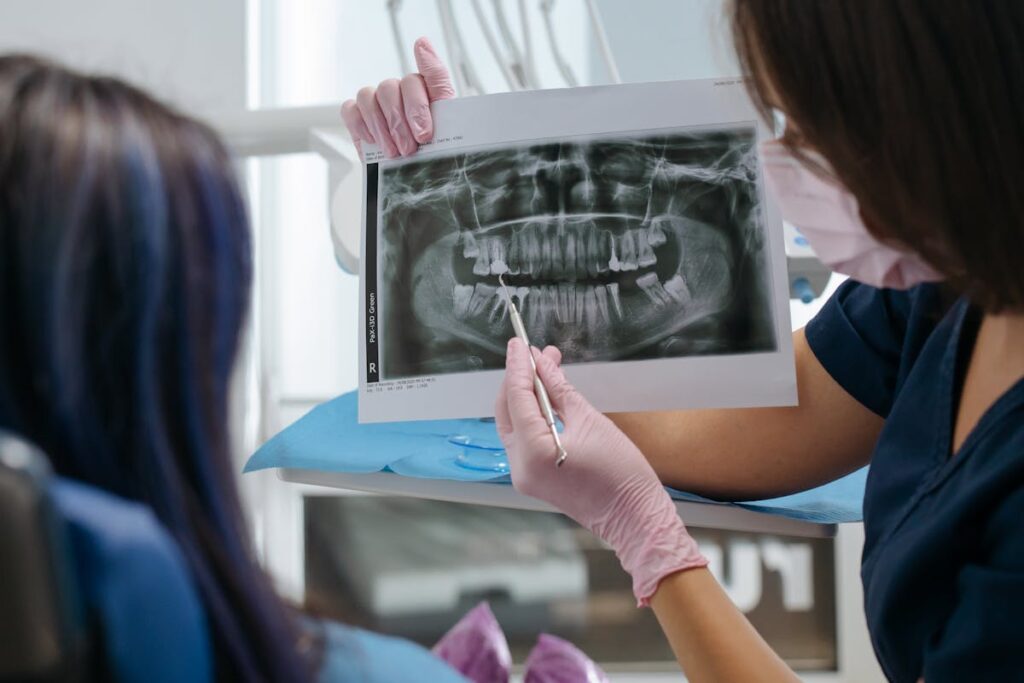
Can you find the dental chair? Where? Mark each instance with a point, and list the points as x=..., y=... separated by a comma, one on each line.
x=92, y=587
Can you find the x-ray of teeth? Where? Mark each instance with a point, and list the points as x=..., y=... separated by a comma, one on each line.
x=623, y=247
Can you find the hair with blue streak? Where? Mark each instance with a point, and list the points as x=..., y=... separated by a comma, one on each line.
x=125, y=269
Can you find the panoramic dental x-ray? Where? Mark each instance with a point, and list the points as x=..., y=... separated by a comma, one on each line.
x=632, y=245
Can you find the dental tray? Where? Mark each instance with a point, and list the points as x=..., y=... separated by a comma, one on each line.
x=330, y=439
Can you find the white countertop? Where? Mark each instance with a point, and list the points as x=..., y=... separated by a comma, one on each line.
x=705, y=515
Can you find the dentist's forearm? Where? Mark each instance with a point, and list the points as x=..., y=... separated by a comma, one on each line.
x=751, y=453
x=710, y=637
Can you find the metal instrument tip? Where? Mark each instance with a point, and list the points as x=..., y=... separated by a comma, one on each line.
x=504, y=287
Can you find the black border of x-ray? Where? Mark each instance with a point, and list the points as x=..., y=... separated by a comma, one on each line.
x=372, y=327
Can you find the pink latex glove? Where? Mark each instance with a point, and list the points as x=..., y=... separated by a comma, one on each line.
x=606, y=484
x=396, y=114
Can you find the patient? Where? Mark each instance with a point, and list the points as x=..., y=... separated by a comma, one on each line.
x=125, y=266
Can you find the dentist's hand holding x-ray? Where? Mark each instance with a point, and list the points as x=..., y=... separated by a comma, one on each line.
x=396, y=114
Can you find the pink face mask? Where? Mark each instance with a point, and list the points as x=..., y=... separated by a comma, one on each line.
x=828, y=215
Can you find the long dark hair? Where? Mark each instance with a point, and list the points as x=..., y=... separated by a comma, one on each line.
x=125, y=268
x=919, y=109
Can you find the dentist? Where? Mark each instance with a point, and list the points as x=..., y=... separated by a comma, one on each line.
x=901, y=163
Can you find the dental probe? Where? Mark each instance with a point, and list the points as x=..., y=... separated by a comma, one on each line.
x=538, y=386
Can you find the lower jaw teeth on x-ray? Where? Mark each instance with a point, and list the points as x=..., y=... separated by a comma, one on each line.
x=621, y=248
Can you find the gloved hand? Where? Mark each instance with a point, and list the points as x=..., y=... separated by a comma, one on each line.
x=396, y=114
x=606, y=484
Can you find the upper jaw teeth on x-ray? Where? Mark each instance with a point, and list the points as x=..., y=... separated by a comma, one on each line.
x=637, y=247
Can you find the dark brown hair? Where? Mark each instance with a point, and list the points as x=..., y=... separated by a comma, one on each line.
x=918, y=106
x=125, y=264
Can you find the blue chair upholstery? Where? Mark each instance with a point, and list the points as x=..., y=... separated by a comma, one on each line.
x=144, y=616
x=133, y=579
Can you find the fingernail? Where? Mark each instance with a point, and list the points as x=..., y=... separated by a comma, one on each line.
x=423, y=45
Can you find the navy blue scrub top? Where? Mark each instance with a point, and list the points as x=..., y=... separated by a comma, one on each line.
x=943, y=564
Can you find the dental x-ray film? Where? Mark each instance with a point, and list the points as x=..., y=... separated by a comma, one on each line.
x=631, y=225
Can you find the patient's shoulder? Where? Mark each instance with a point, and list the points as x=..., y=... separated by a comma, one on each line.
x=352, y=654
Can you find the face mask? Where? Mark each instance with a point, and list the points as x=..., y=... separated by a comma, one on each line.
x=828, y=215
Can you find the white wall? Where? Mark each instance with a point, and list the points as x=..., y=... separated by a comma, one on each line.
x=191, y=52
x=662, y=40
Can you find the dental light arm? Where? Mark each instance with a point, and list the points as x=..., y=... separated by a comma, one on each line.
x=515, y=56
x=466, y=80
x=394, y=7
x=546, y=7
x=492, y=44
x=345, y=193
x=272, y=132
x=602, y=41
x=529, y=67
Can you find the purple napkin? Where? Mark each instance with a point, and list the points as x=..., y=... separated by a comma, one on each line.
x=476, y=647
x=554, y=660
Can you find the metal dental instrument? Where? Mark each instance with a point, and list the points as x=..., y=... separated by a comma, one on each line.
x=538, y=386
